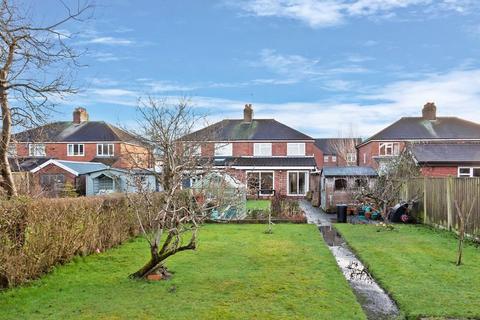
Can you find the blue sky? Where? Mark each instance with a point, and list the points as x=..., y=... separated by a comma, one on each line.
x=318, y=66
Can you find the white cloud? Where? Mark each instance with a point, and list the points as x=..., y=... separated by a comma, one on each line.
x=110, y=41
x=326, y=13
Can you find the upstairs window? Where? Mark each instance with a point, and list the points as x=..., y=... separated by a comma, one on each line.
x=325, y=158
x=105, y=150
x=77, y=149
x=262, y=149
x=389, y=149
x=334, y=158
x=295, y=149
x=351, y=157
x=223, y=149
x=36, y=150
x=12, y=150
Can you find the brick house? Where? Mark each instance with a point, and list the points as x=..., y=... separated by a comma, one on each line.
x=81, y=140
x=442, y=146
x=327, y=155
x=268, y=156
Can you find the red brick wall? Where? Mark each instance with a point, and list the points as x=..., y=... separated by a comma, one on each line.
x=245, y=149
x=53, y=169
x=439, y=171
x=371, y=150
x=122, y=151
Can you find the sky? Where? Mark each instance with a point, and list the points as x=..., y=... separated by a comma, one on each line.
x=324, y=67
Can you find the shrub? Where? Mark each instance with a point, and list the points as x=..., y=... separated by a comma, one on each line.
x=36, y=235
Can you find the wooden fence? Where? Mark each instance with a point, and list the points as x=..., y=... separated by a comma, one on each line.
x=437, y=196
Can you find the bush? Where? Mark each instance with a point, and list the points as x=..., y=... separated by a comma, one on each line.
x=36, y=235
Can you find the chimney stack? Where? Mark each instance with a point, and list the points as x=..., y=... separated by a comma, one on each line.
x=80, y=115
x=429, y=111
x=248, y=113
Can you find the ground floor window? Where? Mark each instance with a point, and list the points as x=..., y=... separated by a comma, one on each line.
x=260, y=182
x=297, y=183
x=467, y=172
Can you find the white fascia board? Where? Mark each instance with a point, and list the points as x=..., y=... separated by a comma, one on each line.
x=56, y=163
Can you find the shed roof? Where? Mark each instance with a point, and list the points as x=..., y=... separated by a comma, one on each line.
x=350, y=171
x=75, y=167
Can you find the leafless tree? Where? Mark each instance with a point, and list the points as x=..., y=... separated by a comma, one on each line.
x=170, y=220
x=386, y=190
x=36, y=64
x=463, y=218
x=345, y=146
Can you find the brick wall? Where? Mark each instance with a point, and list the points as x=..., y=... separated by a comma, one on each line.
x=121, y=150
x=440, y=171
x=53, y=169
x=368, y=151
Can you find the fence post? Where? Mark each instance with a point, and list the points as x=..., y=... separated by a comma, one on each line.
x=449, y=202
x=424, y=199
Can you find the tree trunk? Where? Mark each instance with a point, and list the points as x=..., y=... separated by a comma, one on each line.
x=7, y=182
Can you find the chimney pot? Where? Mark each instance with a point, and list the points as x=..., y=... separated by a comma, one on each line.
x=429, y=111
x=80, y=115
x=248, y=113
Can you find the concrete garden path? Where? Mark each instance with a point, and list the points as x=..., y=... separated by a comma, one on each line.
x=374, y=301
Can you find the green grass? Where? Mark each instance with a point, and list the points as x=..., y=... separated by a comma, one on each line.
x=263, y=205
x=416, y=265
x=238, y=272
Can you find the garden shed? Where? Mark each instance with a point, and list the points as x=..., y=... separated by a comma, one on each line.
x=338, y=185
x=226, y=192
x=112, y=180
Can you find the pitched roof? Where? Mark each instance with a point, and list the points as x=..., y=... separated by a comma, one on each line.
x=25, y=164
x=75, y=167
x=238, y=129
x=68, y=131
x=412, y=128
x=265, y=161
x=327, y=145
x=351, y=171
x=447, y=152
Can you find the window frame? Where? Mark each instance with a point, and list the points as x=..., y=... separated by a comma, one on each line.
x=393, y=146
x=69, y=154
x=261, y=146
x=222, y=146
x=326, y=159
x=12, y=150
x=470, y=173
x=32, y=147
x=103, y=150
x=259, y=172
x=351, y=157
x=291, y=145
x=334, y=159
x=307, y=183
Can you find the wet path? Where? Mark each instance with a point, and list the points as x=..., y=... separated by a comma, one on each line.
x=374, y=301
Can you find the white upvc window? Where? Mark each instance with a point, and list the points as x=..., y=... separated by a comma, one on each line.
x=468, y=172
x=351, y=157
x=36, y=150
x=223, y=149
x=297, y=183
x=75, y=149
x=105, y=149
x=262, y=149
x=389, y=149
x=326, y=158
x=261, y=183
x=296, y=149
x=334, y=159
x=12, y=150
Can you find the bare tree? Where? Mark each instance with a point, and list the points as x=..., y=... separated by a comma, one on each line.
x=170, y=220
x=35, y=65
x=463, y=218
x=345, y=146
x=386, y=190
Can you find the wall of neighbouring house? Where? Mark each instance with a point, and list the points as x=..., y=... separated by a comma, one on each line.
x=439, y=171
x=371, y=150
x=122, y=151
x=245, y=149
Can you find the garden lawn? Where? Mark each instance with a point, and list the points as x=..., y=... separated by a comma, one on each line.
x=416, y=265
x=238, y=272
x=263, y=205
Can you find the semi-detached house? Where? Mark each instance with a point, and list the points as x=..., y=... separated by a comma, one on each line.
x=268, y=156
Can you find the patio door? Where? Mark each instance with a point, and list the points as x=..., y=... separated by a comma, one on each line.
x=260, y=183
x=297, y=184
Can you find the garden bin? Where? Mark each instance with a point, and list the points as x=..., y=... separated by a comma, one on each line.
x=342, y=213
